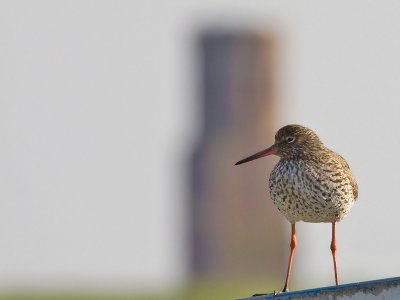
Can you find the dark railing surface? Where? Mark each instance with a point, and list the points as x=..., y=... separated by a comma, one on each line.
x=387, y=289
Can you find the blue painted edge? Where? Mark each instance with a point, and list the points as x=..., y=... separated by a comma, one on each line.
x=363, y=284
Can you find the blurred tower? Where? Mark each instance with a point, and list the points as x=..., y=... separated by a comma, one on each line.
x=236, y=230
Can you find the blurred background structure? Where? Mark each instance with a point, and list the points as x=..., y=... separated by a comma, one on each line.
x=121, y=122
x=237, y=92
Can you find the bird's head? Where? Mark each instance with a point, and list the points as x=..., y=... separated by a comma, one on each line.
x=291, y=142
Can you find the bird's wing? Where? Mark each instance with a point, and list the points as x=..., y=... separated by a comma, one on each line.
x=347, y=171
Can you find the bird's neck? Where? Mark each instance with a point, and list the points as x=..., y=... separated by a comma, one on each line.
x=311, y=154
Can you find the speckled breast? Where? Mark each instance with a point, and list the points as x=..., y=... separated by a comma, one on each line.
x=311, y=192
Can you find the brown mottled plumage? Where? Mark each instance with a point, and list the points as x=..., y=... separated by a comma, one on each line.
x=310, y=182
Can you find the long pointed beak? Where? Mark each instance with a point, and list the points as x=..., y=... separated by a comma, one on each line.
x=266, y=152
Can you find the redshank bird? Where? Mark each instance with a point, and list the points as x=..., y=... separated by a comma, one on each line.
x=310, y=183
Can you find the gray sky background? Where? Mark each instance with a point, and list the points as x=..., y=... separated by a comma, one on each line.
x=97, y=109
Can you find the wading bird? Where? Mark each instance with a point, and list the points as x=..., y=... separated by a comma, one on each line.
x=310, y=183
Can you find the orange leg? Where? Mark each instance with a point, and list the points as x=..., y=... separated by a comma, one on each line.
x=333, y=249
x=292, y=246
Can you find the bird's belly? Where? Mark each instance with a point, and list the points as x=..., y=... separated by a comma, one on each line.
x=300, y=197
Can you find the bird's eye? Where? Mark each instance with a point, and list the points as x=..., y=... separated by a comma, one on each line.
x=290, y=139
